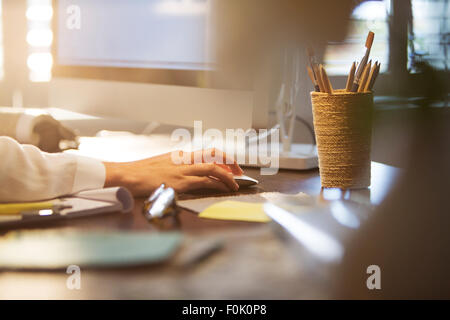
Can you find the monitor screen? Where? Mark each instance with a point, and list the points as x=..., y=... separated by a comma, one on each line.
x=162, y=41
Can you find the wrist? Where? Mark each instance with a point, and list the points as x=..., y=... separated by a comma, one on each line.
x=113, y=176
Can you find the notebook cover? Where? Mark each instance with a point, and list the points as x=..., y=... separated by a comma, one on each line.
x=59, y=249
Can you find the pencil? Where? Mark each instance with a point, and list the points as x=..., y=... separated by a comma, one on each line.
x=369, y=79
x=311, y=58
x=375, y=75
x=319, y=78
x=326, y=81
x=364, y=77
x=362, y=64
x=350, y=78
x=311, y=76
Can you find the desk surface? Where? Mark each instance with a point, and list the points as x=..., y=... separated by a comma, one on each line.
x=254, y=262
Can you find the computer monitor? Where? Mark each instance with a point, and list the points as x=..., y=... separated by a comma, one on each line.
x=146, y=60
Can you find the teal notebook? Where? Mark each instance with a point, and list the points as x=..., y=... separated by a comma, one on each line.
x=59, y=249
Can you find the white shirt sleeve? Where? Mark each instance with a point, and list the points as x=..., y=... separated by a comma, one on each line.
x=28, y=174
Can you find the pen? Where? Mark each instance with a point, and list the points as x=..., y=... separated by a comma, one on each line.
x=362, y=64
x=18, y=208
x=199, y=251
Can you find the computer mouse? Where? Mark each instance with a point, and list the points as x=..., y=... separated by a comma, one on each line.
x=245, y=181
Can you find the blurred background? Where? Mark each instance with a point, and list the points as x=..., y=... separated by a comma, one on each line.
x=407, y=33
x=244, y=48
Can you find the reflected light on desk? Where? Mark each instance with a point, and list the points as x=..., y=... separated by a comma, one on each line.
x=317, y=242
x=383, y=178
x=343, y=215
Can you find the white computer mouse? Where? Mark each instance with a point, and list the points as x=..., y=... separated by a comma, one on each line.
x=245, y=181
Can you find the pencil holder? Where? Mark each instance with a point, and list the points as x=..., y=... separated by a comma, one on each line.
x=343, y=128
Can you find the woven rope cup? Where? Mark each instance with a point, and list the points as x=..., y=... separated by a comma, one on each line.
x=343, y=127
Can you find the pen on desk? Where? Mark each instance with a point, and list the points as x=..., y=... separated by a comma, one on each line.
x=350, y=78
x=362, y=64
x=17, y=208
x=365, y=76
x=312, y=64
x=199, y=251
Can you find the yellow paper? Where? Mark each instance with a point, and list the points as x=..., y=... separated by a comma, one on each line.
x=235, y=210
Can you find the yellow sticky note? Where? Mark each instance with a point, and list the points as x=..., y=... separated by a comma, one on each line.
x=235, y=210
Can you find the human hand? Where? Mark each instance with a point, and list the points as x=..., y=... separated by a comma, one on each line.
x=144, y=176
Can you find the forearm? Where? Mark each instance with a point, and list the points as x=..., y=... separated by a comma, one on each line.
x=28, y=174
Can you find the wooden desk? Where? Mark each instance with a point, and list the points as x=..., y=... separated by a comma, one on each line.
x=254, y=263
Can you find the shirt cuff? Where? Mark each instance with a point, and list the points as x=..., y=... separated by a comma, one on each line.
x=24, y=129
x=90, y=174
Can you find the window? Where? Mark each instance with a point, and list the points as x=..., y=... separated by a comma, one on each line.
x=429, y=36
x=369, y=15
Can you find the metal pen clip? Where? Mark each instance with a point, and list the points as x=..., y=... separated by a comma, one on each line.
x=162, y=202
